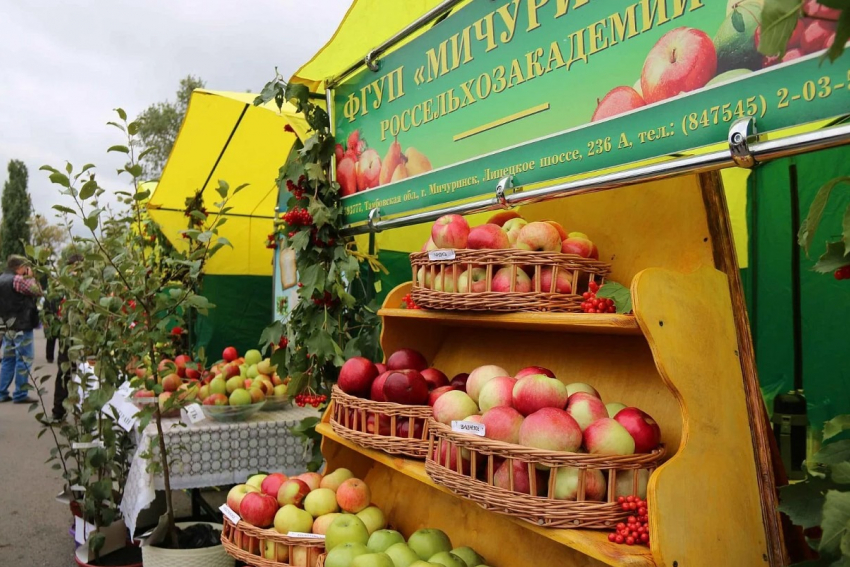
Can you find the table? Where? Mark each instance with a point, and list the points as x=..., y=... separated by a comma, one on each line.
x=211, y=453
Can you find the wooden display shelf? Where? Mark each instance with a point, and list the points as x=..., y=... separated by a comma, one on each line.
x=592, y=543
x=600, y=323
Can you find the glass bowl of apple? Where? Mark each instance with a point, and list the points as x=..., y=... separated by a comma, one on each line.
x=238, y=407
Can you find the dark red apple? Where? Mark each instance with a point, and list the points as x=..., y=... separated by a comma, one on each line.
x=683, y=60
x=229, y=354
x=403, y=428
x=193, y=374
x=180, y=361
x=435, y=378
x=356, y=376
x=230, y=370
x=643, y=429
x=406, y=387
x=437, y=392
x=529, y=370
x=377, y=390
x=381, y=367
x=406, y=358
x=618, y=101
x=459, y=381
x=346, y=175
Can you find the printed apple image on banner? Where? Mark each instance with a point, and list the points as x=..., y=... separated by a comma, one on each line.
x=360, y=168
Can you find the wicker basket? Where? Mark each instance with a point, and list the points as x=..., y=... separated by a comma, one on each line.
x=215, y=556
x=432, y=279
x=476, y=459
x=247, y=544
x=352, y=418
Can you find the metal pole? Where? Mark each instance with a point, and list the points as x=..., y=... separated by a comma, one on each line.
x=760, y=151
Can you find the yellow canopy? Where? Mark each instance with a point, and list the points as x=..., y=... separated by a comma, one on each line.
x=224, y=136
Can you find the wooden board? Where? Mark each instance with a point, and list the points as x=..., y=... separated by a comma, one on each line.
x=707, y=505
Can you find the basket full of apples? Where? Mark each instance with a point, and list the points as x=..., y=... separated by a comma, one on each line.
x=506, y=264
x=275, y=521
x=386, y=406
x=531, y=447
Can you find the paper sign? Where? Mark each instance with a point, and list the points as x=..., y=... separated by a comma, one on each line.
x=82, y=530
x=194, y=413
x=441, y=255
x=90, y=445
x=308, y=536
x=125, y=389
x=468, y=427
x=230, y=514
x=125, y=411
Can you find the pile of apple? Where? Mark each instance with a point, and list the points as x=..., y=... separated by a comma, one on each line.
x=503, y=231
x=387, y=548
x=335, y=505
x=535, y=409
x=405, y=379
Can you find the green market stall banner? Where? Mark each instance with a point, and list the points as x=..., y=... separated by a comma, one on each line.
x=543, y=89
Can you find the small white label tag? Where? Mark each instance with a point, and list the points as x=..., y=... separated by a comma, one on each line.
x=91, y=445
x=82, y=530
x=230, y=514
x=78, y=488
x=441, y=255
x=125, y=390
x=125, y=410
x=468, y=427
x=194, y=413
x=308, y=536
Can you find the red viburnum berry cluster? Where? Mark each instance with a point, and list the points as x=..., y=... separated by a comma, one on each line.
x=843, y=273
x=408, y=303
x=271, y=241
x=297, y=189
x=593, y=304
x=298, y=216
x=636, y=529
x=283, y=342
x=326, y=300
x=314, y=400
x=318, y=241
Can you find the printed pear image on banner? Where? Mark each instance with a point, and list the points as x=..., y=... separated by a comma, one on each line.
x=397, y=165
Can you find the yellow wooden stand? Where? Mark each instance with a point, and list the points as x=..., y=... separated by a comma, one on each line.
x=684, y=357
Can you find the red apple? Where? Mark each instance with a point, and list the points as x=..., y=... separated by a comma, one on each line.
x=459, y=381
x=381, y=367
x=577, y=244
x=502, y=424
x=567, y=481
x=437, y=392
x=428, y=246
x=683, y=60
x=356, y=376
x=181, y=360
x=500, y=218
x=480, y=376
x=816, y=9
x=311, y=479
x=618, y=101
x=513, y=227
x=171, y=382
x=293, y=491
x=377, y=391
x=258, y=509
x=435, y=378
x=582, y=387
x=539, y=236
x=530, y=370
x=406, y=358
x=488, y=236
x=166, y=366
x=454, y=406
x=353, y=495
x=339, y=152
x=230, y=370
x=562, y=284
x=216, y=400
x=193, y=374
x=502, y=281
x=229, y=354
x=237, y=493
x=552, y=429
x=403, y=428
x=607, y=437
x=368, y=170
x=406, y=387
x=521, y=479
x=447, y=455
x=383, y=422
x=643, y=429
x=497, y=392
x=585, y=409
x=450, y=231
x=815, y=36
x=538, y=391
x=272, y=483
x=478, y=283
x=346, y=176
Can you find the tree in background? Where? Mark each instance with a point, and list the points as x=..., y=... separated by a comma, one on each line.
x=16, y=204
x=159, y=124
x=46, y=235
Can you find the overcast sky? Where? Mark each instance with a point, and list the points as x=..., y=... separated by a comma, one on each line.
x=65, y=64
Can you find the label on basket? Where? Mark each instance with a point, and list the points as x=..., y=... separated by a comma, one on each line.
x=308, y=536
x=468, y=427
x=194, y=413
x=441, y=255
x=90, y=445
x=228, y=513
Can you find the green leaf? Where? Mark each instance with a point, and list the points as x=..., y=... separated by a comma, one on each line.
x=97, y=457
x=222, y=188
x=142, y=195
x=121, y=113
x=88, y=189
x=60, y=179
x=48, y=168
x=845, y=234
x=832, y=259
x=119, y=148
x=135, y=170
x=738, y=21
x=315, y=172
x=842, y=34
x=240, y=187
x=620, y=294
x=63, y=209
x=92, y=220
x=778, y=20
x=297, y=91
x=300, y=240
x=835, y=426
x=297, y=384
x=840, y=473
x=803, y=501
x=119, y=126
x=810, y=224
x=833, y=453
x=836, y=518
x=133, y=128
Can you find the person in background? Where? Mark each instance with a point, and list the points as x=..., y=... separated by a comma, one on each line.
x=60, y=392
x=19, y=313
x=51, y=304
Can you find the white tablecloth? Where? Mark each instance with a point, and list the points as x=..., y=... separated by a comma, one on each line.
x=211, y=453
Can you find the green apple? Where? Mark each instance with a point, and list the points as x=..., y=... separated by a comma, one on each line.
x=235, y=383
x=204, y=392
x=336, y=478
x=421, y=563
x=265, y=367
x=373, y=518
x=240, y=397
x=446, y=559
x=271, y=547
x=243, y=370
x=256, y=481
x=280, y=390
x=253, y=356
x=381, y=540
x=427, y=543
x=343, y=555
x=402, y=555
x=320, y=502
x=469, y=556
x=291, y=518
x=252, y=371
x=348, y=528
x=372, y=560
x=218, y=385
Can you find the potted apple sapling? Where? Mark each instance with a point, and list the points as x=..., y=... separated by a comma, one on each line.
x=146, y=291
